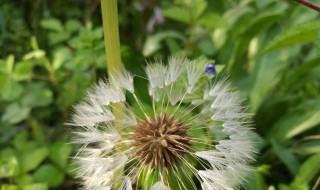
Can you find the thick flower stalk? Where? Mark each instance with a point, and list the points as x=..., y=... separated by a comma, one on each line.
x=194, y=135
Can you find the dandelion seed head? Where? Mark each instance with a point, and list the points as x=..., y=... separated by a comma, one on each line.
x=196, y=131
x=160, y=140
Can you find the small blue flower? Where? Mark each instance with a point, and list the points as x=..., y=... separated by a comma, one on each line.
x=210, y=69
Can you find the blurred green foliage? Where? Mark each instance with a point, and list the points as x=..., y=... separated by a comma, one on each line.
x=52, y=51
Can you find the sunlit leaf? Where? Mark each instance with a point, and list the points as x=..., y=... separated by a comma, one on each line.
x=306, y=32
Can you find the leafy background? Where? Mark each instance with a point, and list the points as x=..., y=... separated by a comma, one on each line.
x=51, y=51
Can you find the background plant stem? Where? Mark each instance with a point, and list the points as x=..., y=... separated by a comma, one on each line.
x=309, y=4
x=111, y=35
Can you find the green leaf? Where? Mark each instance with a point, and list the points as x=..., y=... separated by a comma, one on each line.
x=292, y=187
x=22, y=71
x=256, y=182
x=8, y=167
x=286, y=157
x=60, y=152
x=212, y=21
x=73, y=25
x=24, y=179
x=87, y=39
x=39, y=132
x=298, y=77
x=317, y=43
x=37, y=95
x=179, y=14
x=173, y=45
x=206, y=46
x=309, y=147
x=300, y=119
x=74, y=88
x=20, y=141
x=308, y=170
x=34, y=43
x=49, y=174
x=267, y=75
x=9, y=64
x=61, y=55
x=198, y=8
x=10, y=90
x=15, y=113
x=261, y=23
x=35, y=54
x=8, y=187
x=6, y=66
x=3, y=67
x=37, y=186
x=32, y=159
x=55, y=38
x=52, y=24
x=263, y=3
x=299, y=186
x=306, y=32
x=153, y=43
x=7, y=132
x=71, y=170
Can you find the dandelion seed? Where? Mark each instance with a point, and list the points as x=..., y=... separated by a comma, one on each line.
x=196, y=133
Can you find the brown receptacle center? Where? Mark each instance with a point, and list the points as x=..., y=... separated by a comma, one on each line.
x=160, y=141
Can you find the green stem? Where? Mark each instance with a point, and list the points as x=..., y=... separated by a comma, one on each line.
x=113, y=56
x=111, y=35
